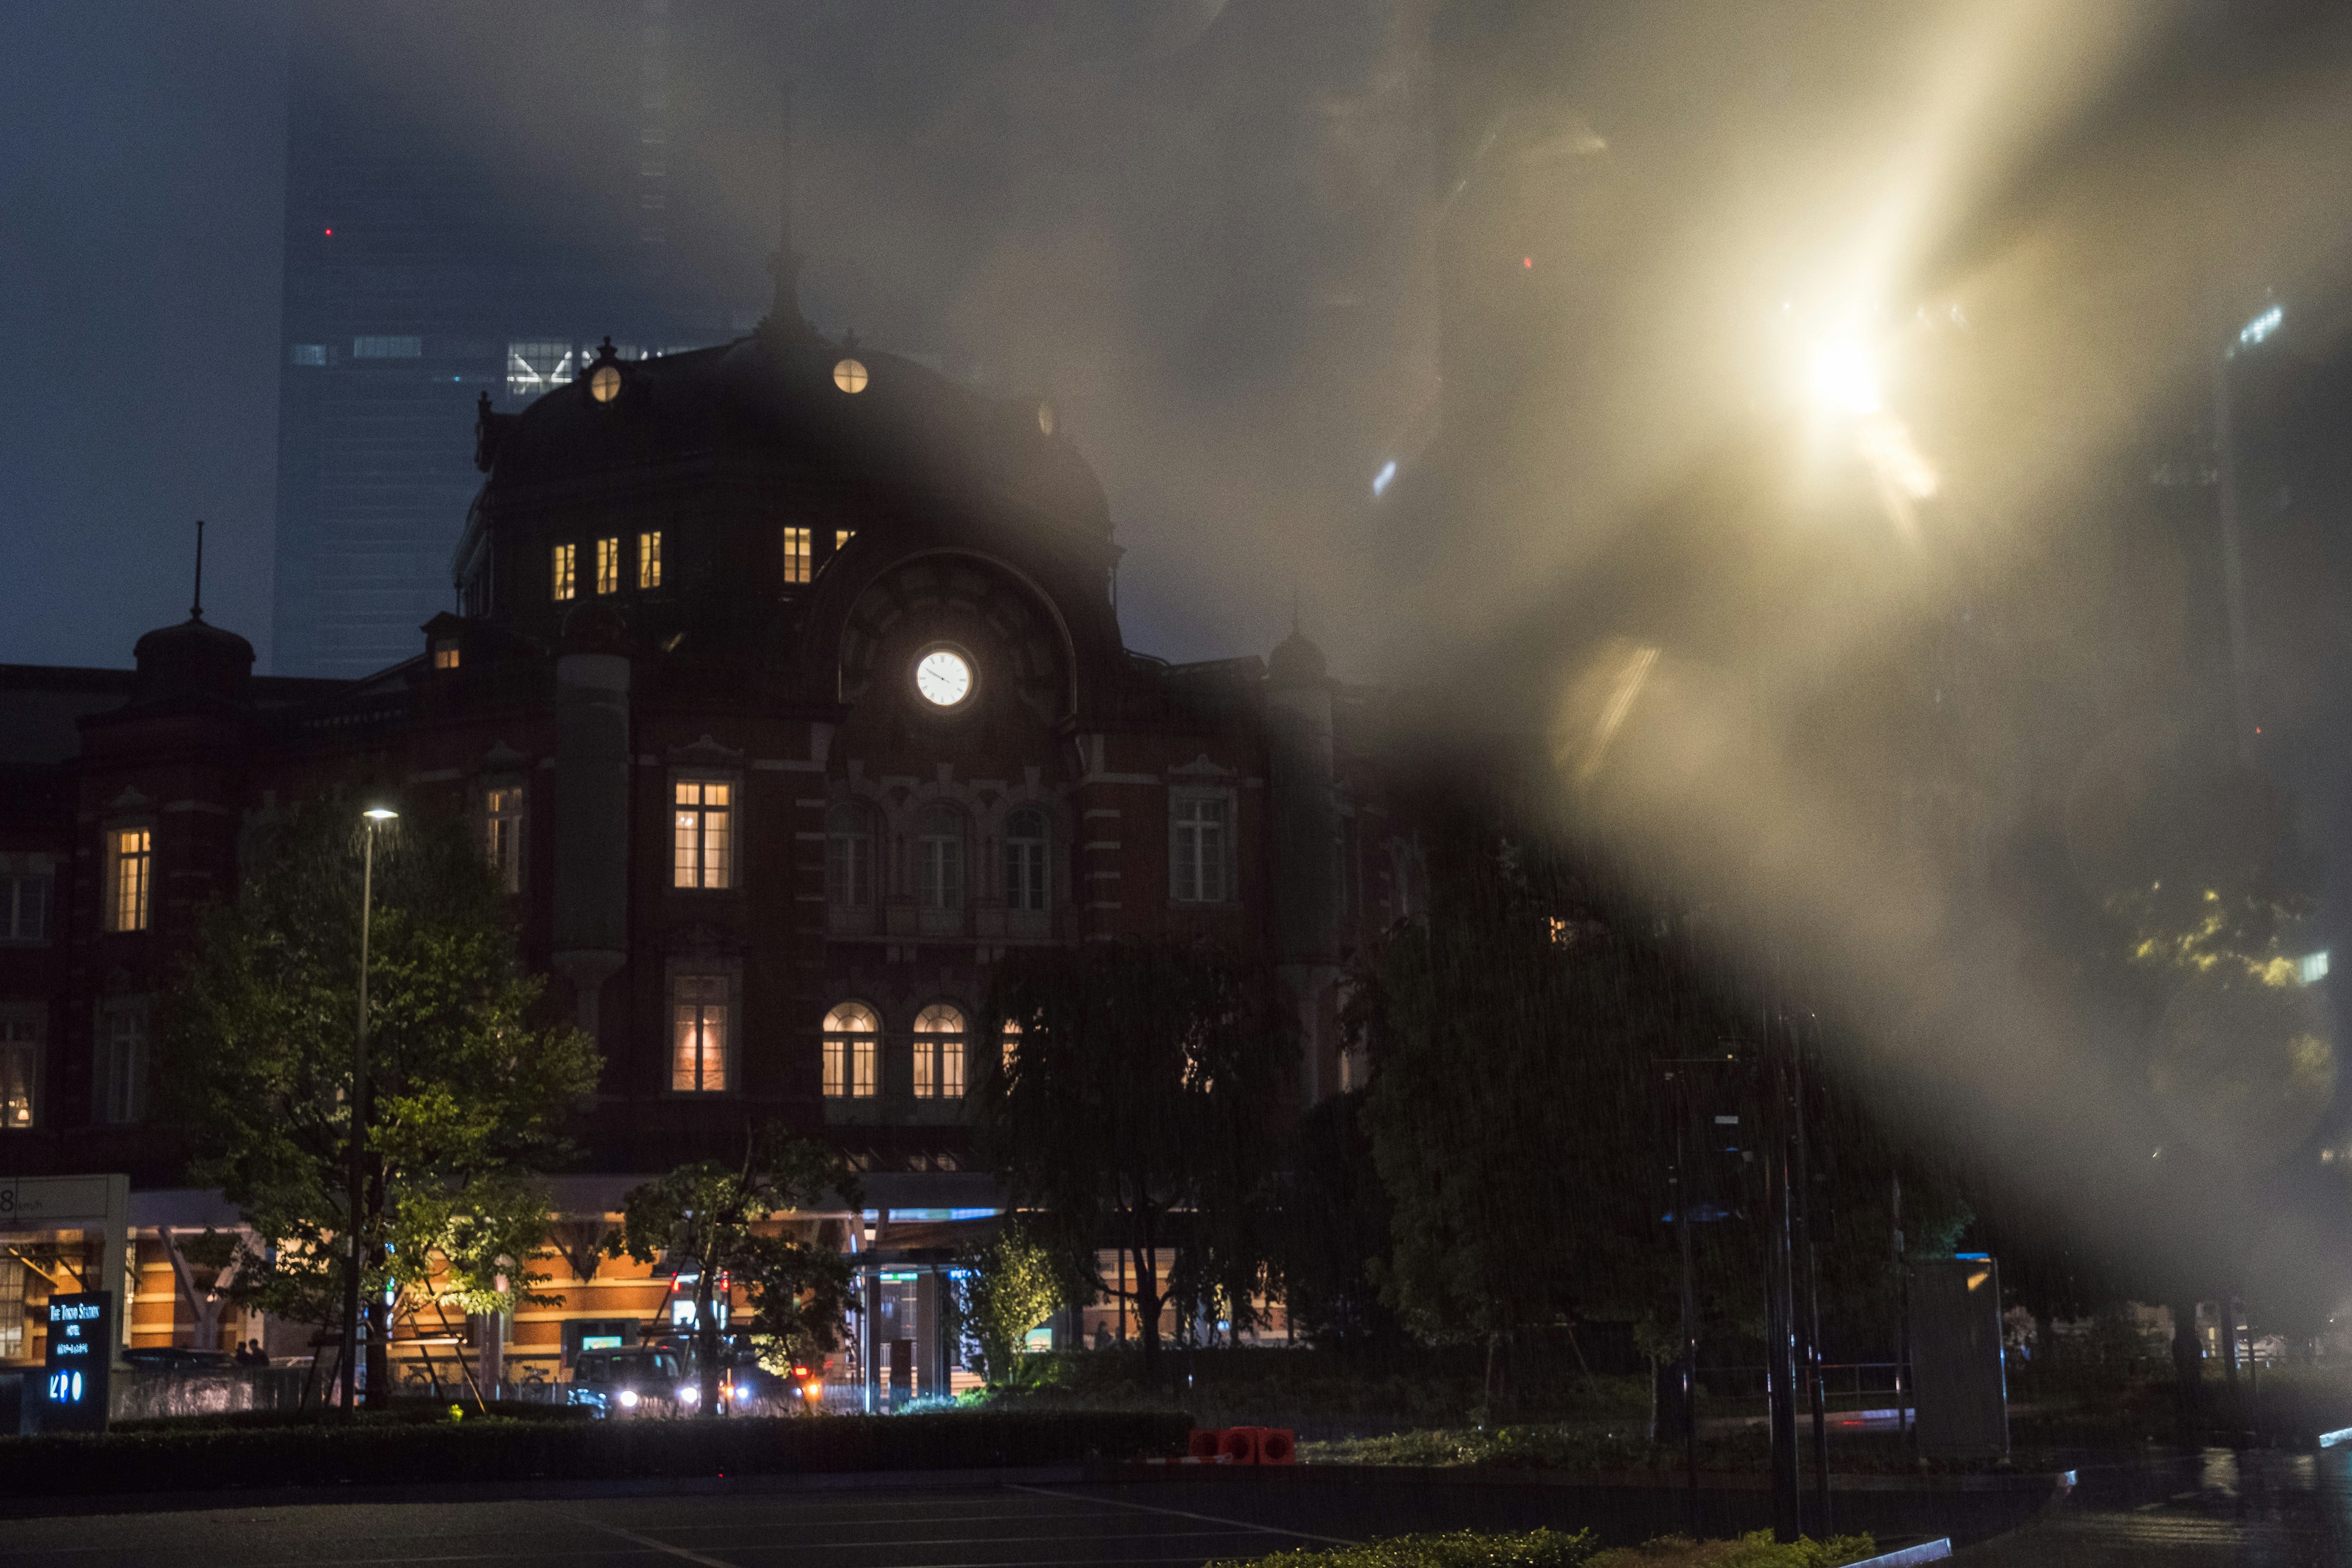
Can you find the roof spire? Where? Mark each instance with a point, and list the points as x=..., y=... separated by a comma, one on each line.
x=784, y=318
x=197, y=610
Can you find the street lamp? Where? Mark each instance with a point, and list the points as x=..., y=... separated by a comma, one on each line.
x=375, y=817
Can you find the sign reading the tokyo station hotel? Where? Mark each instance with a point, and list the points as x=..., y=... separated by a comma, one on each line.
x=74, y=1382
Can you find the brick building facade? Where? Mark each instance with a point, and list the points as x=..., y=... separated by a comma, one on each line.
x=787, y=690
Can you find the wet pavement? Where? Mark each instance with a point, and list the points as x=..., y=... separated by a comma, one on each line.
x=2257, y=1508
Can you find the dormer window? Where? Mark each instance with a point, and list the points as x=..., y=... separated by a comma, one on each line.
x=604, y=382
x=798, y=559
x=849, y=374
x=608, y=564
x=566, y=562
x=445, y=653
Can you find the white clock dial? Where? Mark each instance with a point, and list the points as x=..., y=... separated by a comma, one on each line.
x=943, y=677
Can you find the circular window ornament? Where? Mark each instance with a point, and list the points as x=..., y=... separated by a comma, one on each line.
x=849, y=375
x=605, y=385
x=943, y=677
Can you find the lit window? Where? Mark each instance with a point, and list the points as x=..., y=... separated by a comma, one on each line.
x=848, y=857
x=939, y=1053
x=701, y=839
x=940, y=861
x=123, y=1039
x=605, y=385
x=608, y=565
x=445, y=653
x=849, y=375
x=849, y=1052
x=649, y=560
x=502, y=834
x=129, y=873
x=1024, y=861
x=567, y=583
x=387, y=347
x=25, y=909
x=1012, y=1043
x=796, y=555
x=310, y=354
x=842, y=536
x=533, y=368
x=1197, y=849
x=697, y=1062
x=20, y=1060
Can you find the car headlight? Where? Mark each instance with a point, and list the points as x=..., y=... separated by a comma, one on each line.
x=687, y=1393
x=629, y=1399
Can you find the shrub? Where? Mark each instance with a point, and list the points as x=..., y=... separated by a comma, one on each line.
x=1554, y=1549
x=1462, y=1549
x=501, y=1449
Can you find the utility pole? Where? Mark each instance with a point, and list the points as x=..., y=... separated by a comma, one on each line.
x=1680, y=1104
x=1780, y=1363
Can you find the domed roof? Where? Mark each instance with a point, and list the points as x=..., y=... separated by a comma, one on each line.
x=194, y=656
x=784, y=403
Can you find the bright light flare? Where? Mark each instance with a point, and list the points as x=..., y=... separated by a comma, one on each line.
x=2260, y=327
x=1844, y=380
x=1384, y=479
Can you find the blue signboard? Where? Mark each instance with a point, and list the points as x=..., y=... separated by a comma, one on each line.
x=73, y=1372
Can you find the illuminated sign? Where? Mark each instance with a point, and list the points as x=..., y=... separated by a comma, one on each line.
x=80, y=1351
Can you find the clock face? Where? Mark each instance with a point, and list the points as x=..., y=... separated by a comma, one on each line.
x=943, y=677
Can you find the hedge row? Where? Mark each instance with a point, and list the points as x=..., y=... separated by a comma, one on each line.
x=1579, y=1549
x=509, y=1450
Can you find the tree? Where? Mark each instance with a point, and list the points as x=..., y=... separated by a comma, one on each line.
x=1135, y=1103
x=1008, y=1288
x=1332, y=1231
x=469, y=1082
x=731, y=1225
x=1517, y=1113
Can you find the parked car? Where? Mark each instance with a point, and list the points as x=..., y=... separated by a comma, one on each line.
x=637, y=1380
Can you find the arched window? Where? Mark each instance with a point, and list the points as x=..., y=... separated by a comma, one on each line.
x=939, y=848
x=850, y=1036
x=939, y=1053
x=1024, y=861
x=849, y=867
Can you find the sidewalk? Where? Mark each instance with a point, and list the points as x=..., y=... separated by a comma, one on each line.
x=2276, y=1510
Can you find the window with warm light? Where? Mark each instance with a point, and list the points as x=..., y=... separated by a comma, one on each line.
x=608, y=565
x=605, y=384
x=1197, y=849
x=445, y=653
x=129, y=874
x=939, y=1053
x=850, y=1048
x=702, y=837
x=20, y=1064
x=1024, y=861
x=850, y=376
x=1012, y=1043
x=567, y=583
x=502, y=834
x=649, y=560
x=697, y=1062
x=122, y=1064
x=841, y=538
x=798, y=562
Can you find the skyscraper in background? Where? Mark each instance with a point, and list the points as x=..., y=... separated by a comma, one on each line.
x=475, y=196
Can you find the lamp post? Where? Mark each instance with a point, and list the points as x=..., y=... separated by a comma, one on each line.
x=376, y=816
